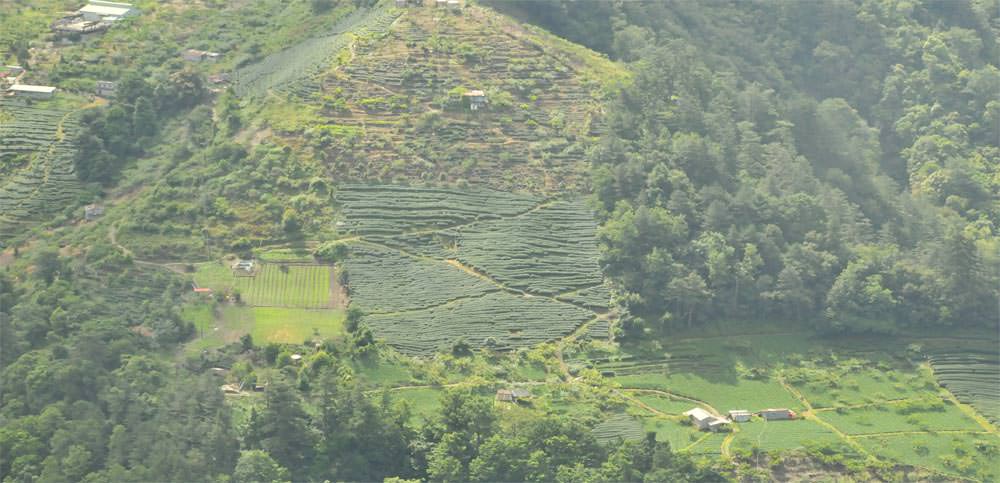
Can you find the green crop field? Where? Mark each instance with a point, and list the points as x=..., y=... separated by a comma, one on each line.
x=386, y=281
x=304, y=286
x=780, y=435
x=273, y=285
x=434, y=264
x=832, y=387
x=920, y=415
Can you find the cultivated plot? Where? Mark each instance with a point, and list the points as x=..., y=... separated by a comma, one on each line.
x=37, y=173
x=431, y=265
x=305, y=286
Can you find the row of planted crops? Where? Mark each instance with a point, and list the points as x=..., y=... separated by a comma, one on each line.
x=37, y=157
x=295, y=70
x=498, y=269
x=972, y=374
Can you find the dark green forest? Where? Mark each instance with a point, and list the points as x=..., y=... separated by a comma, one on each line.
x=831, y=163
x=834, y=165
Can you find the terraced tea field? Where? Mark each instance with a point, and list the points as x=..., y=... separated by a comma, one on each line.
x=37, y=175
x=431, y=265
x=395, y=108
x=618, y=426
x=295, y=69
x=973, y=375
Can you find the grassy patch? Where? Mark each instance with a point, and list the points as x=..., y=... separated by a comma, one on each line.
x=707, y=444
x=423, y=402
x=382, y=373
x=673, y=431
x=272, y=324
x=275, y=255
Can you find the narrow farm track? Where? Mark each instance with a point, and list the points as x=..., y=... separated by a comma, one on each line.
x=709, y=407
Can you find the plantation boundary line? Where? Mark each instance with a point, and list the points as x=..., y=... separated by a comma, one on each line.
x=867, y=404
x=929, y=431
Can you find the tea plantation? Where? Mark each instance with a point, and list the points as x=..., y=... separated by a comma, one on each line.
x=430, y=266
x=37, y=175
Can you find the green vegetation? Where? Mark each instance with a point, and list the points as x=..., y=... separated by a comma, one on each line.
x=916, y=415
x=433, y=266
x=952, y=454
x=972, y=375
x=37, y=174
x=730, y=206
x=292, y=69
x=618, y=427
x=760, y=435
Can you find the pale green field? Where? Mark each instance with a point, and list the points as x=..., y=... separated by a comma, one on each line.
x=974, y=456
x=780, y=435
x=423, y=402
x=888, y=419
x=276, y=324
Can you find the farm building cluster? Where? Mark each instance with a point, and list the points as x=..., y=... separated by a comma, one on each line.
x=11, y=85
x=94, y=17
x=707, y=421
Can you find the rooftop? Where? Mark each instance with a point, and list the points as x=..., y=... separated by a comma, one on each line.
x=31, y=88
x=105, y=10
x=699, y=414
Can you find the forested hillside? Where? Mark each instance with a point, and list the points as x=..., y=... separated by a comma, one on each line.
x=501, y=240
x=833, y=163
